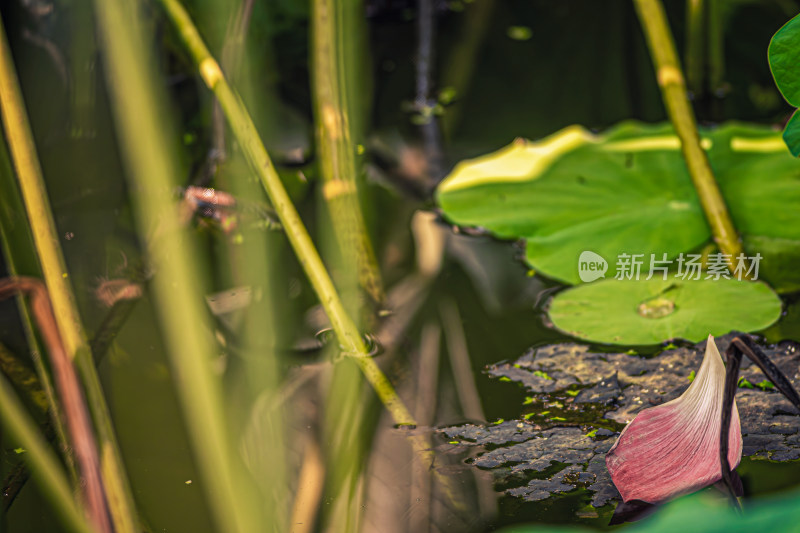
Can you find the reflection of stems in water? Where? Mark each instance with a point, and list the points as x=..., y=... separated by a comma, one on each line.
x=464, y=377
x=110, y=327
x=424, y=103
x=460, y=362
x=310, y=483
x=463, y=57
x=673, y=91
x=427, y=381
x=45, y=237
x=71, y=396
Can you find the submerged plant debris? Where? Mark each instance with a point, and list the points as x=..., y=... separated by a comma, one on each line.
x=572, y=417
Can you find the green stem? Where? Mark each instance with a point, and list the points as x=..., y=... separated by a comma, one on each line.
x=245, y=133
x=34, y=194
x=350, y=418
x=335, y=74
x=20, y=256
x=43, y=463
x=347, y=333
x=673, y=92
x=178, y=284
x=695, y=46
x=716, y=47
x=463, y=58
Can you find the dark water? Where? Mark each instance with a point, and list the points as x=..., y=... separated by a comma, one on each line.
x=518, y=88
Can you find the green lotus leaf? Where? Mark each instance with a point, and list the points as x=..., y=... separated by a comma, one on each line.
x=784, y=62
x=643, y=312
x=791, y=134
x=627, y=191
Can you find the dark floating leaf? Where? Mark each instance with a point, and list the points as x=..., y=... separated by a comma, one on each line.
x=535, y=458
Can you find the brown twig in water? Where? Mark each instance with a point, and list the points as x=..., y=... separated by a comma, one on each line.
x=69, y=389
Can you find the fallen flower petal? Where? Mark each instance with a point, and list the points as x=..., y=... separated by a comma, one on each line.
x=673, y=449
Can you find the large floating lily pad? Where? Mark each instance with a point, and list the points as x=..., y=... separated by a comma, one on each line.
x=560, y=442
x=628, y=191
x=639, y=312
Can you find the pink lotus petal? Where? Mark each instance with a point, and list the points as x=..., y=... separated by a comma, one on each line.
x=673, y=449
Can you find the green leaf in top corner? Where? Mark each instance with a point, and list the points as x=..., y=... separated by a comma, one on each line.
x=784, y=60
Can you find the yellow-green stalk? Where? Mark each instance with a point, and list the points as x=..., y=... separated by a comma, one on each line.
x=56, y=277
x=335, y=75
x=44, y=465
x=178, y=287
x=673, y=92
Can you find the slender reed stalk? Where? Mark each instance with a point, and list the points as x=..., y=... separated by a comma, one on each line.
x=71, y=396
x=350, y=416
x=334, y=75
x=20, y=257
x=23, y=379
x=26, y=164
x=350, y=339
x=178, y=285
x=43, y=463
x=252, y=264
x=462, y=59
x=425, y=102
x=716, y=48
x=673, y=92
x=695, y=56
